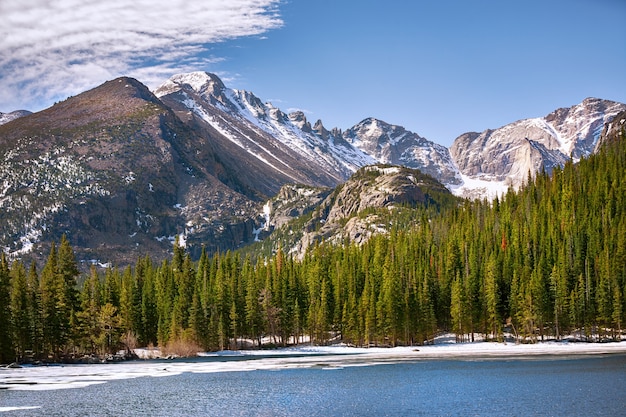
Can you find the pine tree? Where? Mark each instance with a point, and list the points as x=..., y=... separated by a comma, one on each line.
x=149, y=311
x=89, y=331
x=6, y=331
x=491, y=297
x=55, y=306
x=68, y=270
x=458, y=309
x=20, y=310
x=253, y=306
x=34, y=311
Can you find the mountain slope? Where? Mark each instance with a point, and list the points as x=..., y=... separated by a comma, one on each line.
x=119, y=173
x=372, y=201
x=505, y=156
x=272, y=148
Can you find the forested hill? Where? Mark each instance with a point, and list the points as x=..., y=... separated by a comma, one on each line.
x=545, y=262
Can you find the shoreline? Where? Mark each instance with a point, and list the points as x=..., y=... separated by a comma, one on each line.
x=444, y=350
x=303, y=357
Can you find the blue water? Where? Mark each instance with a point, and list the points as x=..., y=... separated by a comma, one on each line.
x=589, y=386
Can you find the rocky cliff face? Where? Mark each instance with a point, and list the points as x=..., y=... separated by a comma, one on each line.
x=506, y=155
x=613, y=131
x=365, y=205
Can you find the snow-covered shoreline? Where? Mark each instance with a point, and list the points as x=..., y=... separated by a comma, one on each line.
x=319, y=357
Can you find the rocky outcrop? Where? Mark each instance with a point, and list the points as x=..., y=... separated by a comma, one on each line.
x=352, y=212
x=508, y=154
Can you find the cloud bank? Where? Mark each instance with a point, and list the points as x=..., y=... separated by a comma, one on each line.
x=50, y=49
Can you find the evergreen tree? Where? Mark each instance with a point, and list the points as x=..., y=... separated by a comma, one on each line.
x=491, y=297
x=6, y=330
x=20, y=310
x=55, y=305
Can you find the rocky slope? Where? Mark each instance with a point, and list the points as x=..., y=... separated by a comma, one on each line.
x=371, y=202
x=122, y=171
x=496, y=159
x=119, y=173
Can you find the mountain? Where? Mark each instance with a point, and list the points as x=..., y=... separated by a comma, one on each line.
x=271, y=147
x=120, y=174
x=7, y=117
x=123, y=171
x=372, y=201
x=390, y=144
x=492, y=160
x=286, y=147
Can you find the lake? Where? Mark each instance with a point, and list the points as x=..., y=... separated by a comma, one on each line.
x=321, y=386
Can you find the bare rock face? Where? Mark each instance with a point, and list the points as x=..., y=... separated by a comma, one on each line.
x=510, y=153
x=292, y=202
x=343, y=216
x=613, y=131
x=390, y=144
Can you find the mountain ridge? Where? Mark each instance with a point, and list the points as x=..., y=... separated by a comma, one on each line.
x=504, y=156
x=120, y=167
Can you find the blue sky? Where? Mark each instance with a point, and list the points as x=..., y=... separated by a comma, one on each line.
x=438, y=68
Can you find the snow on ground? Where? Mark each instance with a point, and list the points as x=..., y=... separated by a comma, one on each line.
x=5, y=409
x=324, y=357
x=473, y=187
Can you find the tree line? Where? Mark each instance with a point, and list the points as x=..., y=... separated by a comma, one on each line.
x=546, y=261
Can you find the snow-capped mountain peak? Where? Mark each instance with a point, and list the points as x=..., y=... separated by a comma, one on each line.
x=475, y=165
x=8, y=117
x=203, y=83
x=503, y=157
x=392, y=144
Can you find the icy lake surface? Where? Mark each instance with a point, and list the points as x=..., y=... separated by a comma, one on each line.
x=328, y=383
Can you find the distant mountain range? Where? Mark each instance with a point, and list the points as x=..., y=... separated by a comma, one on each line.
x=122, y=170
x=7, y=117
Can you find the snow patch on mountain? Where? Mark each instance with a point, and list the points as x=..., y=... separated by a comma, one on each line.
x=32, y=190
x=478, y=164
x=507, y=155
x=9, y=117
x=479, y=188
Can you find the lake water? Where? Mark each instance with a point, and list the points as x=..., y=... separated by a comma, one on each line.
x=585, y=386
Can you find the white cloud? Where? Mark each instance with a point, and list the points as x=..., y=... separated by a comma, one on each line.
x=50, y=49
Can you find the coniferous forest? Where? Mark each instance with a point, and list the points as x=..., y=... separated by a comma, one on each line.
x=547, y=261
